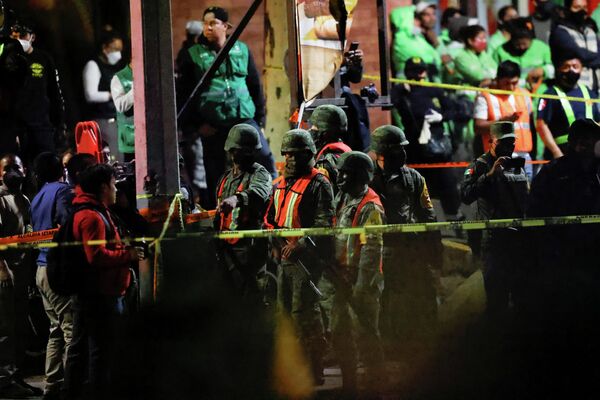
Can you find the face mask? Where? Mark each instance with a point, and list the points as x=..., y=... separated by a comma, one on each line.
x=113, y=57
x=242, y=159
x=577, y=18
x=569, y=77
x=351, y=182
x=480, y=45
x=26, y=44
x=504, y=149
x=13, y=180
x=544, y=9
x=394, y=160
x=299, y=164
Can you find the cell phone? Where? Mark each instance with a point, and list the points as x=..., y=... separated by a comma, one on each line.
x=516, y=162
x=353, y=46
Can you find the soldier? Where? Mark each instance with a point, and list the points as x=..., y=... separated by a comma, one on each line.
x=242, y=197
x=329, y=125
x=355, y=313
x=409, y=307
x=500, y=188
x=302, y=199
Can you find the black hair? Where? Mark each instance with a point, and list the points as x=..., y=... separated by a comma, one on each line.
x=92, y=178
x=470, y=31
x=520, y=33
x=77, y=164
x=503, y=11
x=449, y=13
x=508, y=69
x=47, y=168
x=107, y=37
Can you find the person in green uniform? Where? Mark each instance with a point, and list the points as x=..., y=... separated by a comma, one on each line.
x=409, y=41
x=409, y=307
x=121, y=90
x=303, y=198
x=474, y=65
x=502, y=34
x=355, y=313
x=242, y=197
x=532, y=55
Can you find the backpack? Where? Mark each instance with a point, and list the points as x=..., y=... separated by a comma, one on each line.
x=66, y=265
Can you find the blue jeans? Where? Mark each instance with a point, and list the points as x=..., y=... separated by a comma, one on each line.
x=97, y=321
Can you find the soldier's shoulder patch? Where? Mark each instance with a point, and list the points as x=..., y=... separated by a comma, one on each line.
x=425, y=198
x=324, y=171
x=469, y=171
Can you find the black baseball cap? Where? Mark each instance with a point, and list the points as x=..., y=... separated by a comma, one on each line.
x=414, y=66
x=219, y=12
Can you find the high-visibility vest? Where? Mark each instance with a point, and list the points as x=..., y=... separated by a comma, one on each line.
x=229, y=222
x=561, y=137
x=336, y=147
x=287, y=200
x=499, y=106
x=370, y=197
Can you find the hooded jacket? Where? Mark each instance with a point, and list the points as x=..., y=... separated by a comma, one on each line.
x=109, y=263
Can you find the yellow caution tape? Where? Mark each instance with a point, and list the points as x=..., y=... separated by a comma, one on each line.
x=450, y=86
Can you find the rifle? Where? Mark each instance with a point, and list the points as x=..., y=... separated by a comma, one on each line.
x=279, y=243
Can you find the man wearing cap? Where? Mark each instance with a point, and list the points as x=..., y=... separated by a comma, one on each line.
x=40, y=106
x=242, y=197
x=233, y=96
x=423, y=111
x=409, y=308
x=499, y=185
x=302, y=199
x=414, y=36
x=193, y=31
x=555, y=116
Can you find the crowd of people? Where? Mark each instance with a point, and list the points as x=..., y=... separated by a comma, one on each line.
x=361, y=297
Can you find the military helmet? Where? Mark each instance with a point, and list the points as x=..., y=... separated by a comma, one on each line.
x=387, y=137
x=297, y=140
x=329, y=117
x=503, y=129
x=356, y=161
x=583, y=128
x=243, y=137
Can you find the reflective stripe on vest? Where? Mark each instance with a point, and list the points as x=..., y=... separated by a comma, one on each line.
x=1, y=48
x=499, y=107
x=568, y=109
x=229, y=222
x=337, y=147
x=287, y=201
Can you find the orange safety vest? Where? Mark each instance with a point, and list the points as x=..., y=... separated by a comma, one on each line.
x=229, y=222
x=370, y=197
x=499, y=106
x=337, y=147
x=286, y=201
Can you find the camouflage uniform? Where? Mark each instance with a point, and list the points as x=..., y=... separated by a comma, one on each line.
x=409, y=304
x=355, y=313
x=251, y=184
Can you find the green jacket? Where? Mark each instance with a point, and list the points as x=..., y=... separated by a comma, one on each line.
x=125, y=122
x=538, y=55
x=227, y=97
x=472, y=68
x=495, y=41
x=407, y=43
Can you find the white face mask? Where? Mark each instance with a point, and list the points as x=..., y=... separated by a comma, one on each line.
x=26, y=44
x=597, y=149
x=113, y=57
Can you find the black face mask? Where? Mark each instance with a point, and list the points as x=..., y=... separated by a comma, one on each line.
x=244, y=160
x=504, y=149
x=299, y=164
x=570, y=78
x=394, y=160
x=544, y=9
x=352, y=182
x=577, y=18
x=13, y=180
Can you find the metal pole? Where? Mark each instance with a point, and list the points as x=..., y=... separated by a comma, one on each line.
x=384, y=53
x=210, y=73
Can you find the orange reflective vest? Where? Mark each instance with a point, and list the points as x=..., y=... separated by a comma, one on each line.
x=337, y=147
x=370, y=197
x=229, y=222
x=499, y=106
x=287, y=200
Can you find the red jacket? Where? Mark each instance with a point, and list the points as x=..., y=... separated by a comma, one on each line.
x=110, y=263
